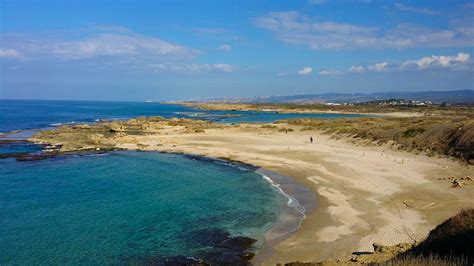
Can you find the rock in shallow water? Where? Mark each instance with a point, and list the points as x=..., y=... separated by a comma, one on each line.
x=226, y=249
x=223, y=249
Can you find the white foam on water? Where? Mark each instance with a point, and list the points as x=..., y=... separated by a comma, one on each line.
x=292, y=203
x=60, y=124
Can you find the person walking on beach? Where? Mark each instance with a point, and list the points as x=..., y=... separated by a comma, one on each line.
x=311, y=139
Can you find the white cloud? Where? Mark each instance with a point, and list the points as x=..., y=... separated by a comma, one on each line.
x=378, y=67
x=305, y=71
x=461, y=61
x=330, y=72
x=419, y=10
x=119, y=45
x=196, y=68
x=10, y=53
x=357, y=69
x=111, y=47
x=440, y=61
x=297, y=29
x=111, y=44
x=225, y=47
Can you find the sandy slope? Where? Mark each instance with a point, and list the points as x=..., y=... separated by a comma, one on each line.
x=365, y=194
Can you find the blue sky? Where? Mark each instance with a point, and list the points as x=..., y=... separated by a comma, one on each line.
x=168, y=50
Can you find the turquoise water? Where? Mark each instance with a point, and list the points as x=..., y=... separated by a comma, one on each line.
x=125, y=207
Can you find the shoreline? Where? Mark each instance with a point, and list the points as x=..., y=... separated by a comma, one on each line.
x=292, y=213
x=365, y=194
x=302, y=204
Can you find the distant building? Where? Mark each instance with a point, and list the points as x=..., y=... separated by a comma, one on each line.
x=396, y=102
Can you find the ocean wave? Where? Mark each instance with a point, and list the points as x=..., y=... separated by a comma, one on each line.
x=191, y=114
x=60, y=124
x=292, y=203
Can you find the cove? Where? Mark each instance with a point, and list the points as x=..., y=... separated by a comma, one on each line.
x=128, y=207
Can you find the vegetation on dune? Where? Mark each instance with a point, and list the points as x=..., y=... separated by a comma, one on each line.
x=445, y=135
x=317, y=108
x=424, y=261
x=452, y=239
x=450, y=243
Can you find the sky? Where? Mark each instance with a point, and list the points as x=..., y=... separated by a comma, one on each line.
x=181, y=50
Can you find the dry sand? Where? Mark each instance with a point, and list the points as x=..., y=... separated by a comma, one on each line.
x=364, y=194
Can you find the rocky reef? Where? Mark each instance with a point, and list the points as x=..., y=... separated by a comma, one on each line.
x=219, y=248
x=104, y=136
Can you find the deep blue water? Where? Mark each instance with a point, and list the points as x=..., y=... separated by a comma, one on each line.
x=30, y=114
x=103, y=210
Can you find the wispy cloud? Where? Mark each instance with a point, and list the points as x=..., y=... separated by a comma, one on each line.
x=357, y=69
x=117, y=45
x=414, y=9
x=10, y=53
x=225, y=47
x=305, y=71
x=110, y=44
x=297, y=29
x=379, y=67
x=330, y=72
x=196, y=68
x=111, y=47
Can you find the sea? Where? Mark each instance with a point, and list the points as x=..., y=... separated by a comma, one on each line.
x=130, y=207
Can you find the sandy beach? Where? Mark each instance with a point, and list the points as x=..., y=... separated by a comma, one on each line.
x=365, y=194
